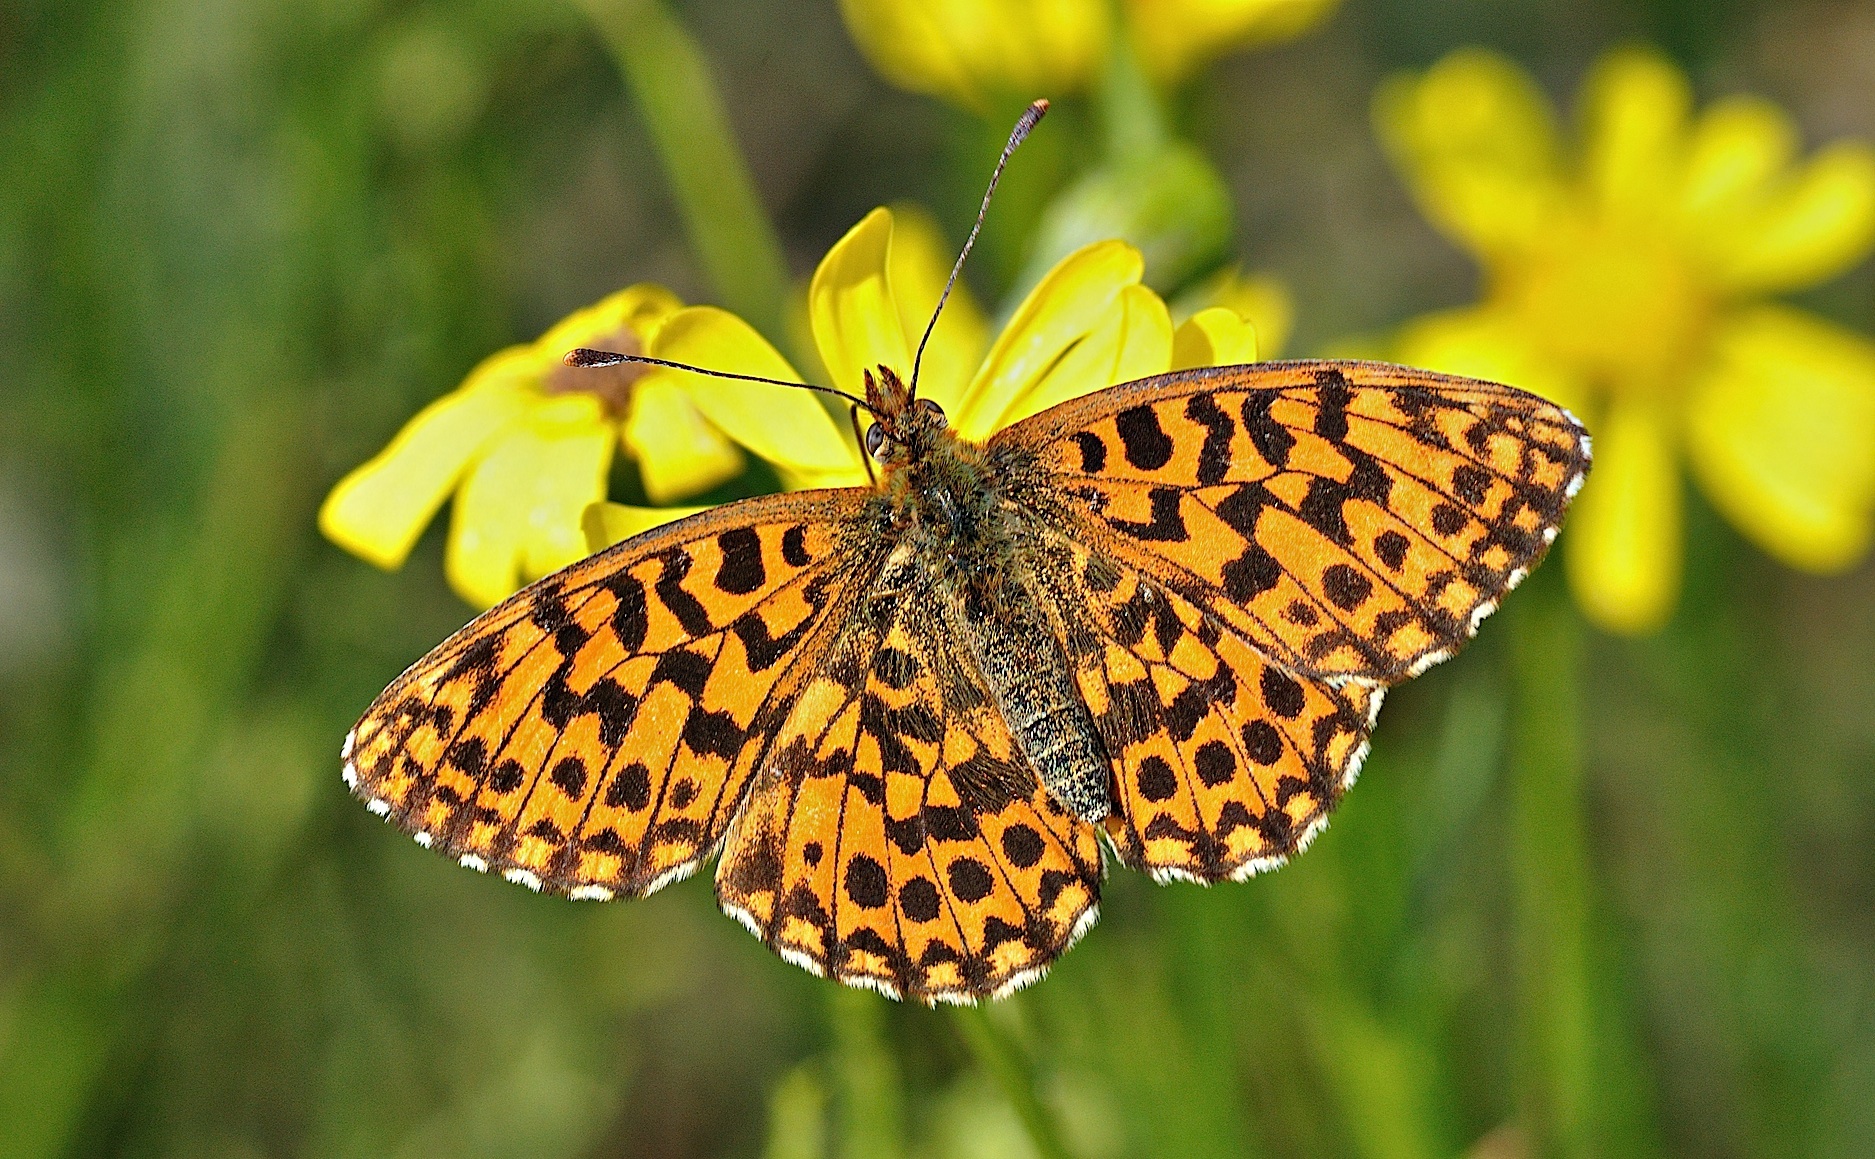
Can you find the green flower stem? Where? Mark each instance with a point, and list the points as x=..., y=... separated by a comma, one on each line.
x=1135, y=120
x=674, y=92
x=870, y=1111
x=1002, y=1058
x=1550, y=874
x=1207, y=926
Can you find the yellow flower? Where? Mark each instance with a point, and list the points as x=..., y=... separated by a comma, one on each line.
x=1176, y=37
x=525, y=445
x=971, y=52
x=1626, y=277
x=1088, y=324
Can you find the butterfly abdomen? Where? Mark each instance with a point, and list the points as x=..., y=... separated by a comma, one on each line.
x=1030, y=682
x=998, y=613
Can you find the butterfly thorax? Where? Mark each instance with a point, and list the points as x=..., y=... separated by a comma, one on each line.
x=964, y=542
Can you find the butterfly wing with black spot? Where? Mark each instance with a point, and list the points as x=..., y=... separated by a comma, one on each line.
x=898, y=839
x=593, y=734
x=1349, y=520
x=1223, y=763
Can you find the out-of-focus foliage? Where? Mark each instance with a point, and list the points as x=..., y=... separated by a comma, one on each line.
x=1624, y=279
x=1597, y=894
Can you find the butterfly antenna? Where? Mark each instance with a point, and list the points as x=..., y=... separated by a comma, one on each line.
x=586, y=359
x=1024, y=124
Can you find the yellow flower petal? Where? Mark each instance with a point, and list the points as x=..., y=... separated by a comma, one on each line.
x=918, y=263
x=1781, y=434
x=379, y=510
x=605, y=524
x=1069, y=302
x=1476, y=141
x=679, y=453
x=850, y=304
x=1214, y=337
x=1737, y=147
x=1262, y=300
x=1623, y=543
x=1483, y=342
x=518, y=513
x=1634, y=110
x=1819, y=225
x=910, y=46
x=640, y=309
x=970, y=51
x=1132, y=340
x=789, y=428
x=1176, y=36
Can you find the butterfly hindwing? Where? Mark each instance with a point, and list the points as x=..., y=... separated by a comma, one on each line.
x=1350, y=520
x=592, y=734
x=1223, y=763
x=899, y=840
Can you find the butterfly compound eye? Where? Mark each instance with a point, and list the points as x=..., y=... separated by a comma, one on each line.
x=930, y=408
x=875, y=440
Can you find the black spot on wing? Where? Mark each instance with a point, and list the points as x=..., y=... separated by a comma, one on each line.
x=1271, y=438
x=919, y=899
x=1166, y=525
x=1251, y=574
x=794, y=547
x=675, y=565
x=1156, y=780
x=1332, y=398
x=1214, y=456
x=629, y=618
x=630, y=788
x=687, y=670
x=1391, y=547
x=866, y=883
x=569, y=776
x=1146, y=444
x=1022, y=845
x=1346, y=587
x=741, y=571
x=970, y=879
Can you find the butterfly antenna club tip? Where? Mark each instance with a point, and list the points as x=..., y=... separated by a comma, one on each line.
x=587, y=359
x=1025, y=124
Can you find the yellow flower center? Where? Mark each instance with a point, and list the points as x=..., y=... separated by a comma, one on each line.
x=1612, y=300
x=611, y=384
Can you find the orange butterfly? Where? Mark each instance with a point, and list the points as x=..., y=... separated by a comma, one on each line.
x=906, y=714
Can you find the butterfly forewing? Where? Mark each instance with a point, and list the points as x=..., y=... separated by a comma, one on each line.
x=1349, y=520
x=592, y=734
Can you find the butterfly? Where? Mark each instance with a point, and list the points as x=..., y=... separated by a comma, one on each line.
x=913, y=720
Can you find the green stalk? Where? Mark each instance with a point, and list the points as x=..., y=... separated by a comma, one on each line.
x=1002, y=1059
x=1550, y=875
x=1135, y=120
x=870, y=1105
x=671, y=85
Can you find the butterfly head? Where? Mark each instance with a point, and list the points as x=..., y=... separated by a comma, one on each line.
x=905, y=428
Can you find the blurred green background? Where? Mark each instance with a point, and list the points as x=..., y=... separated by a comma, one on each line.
x=1592, y=896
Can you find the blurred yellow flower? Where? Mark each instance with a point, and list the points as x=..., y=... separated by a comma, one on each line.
x=971, y=52
x=525, y=445
x=1088, y=324
x=1177, y=37
x=1625, y=277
